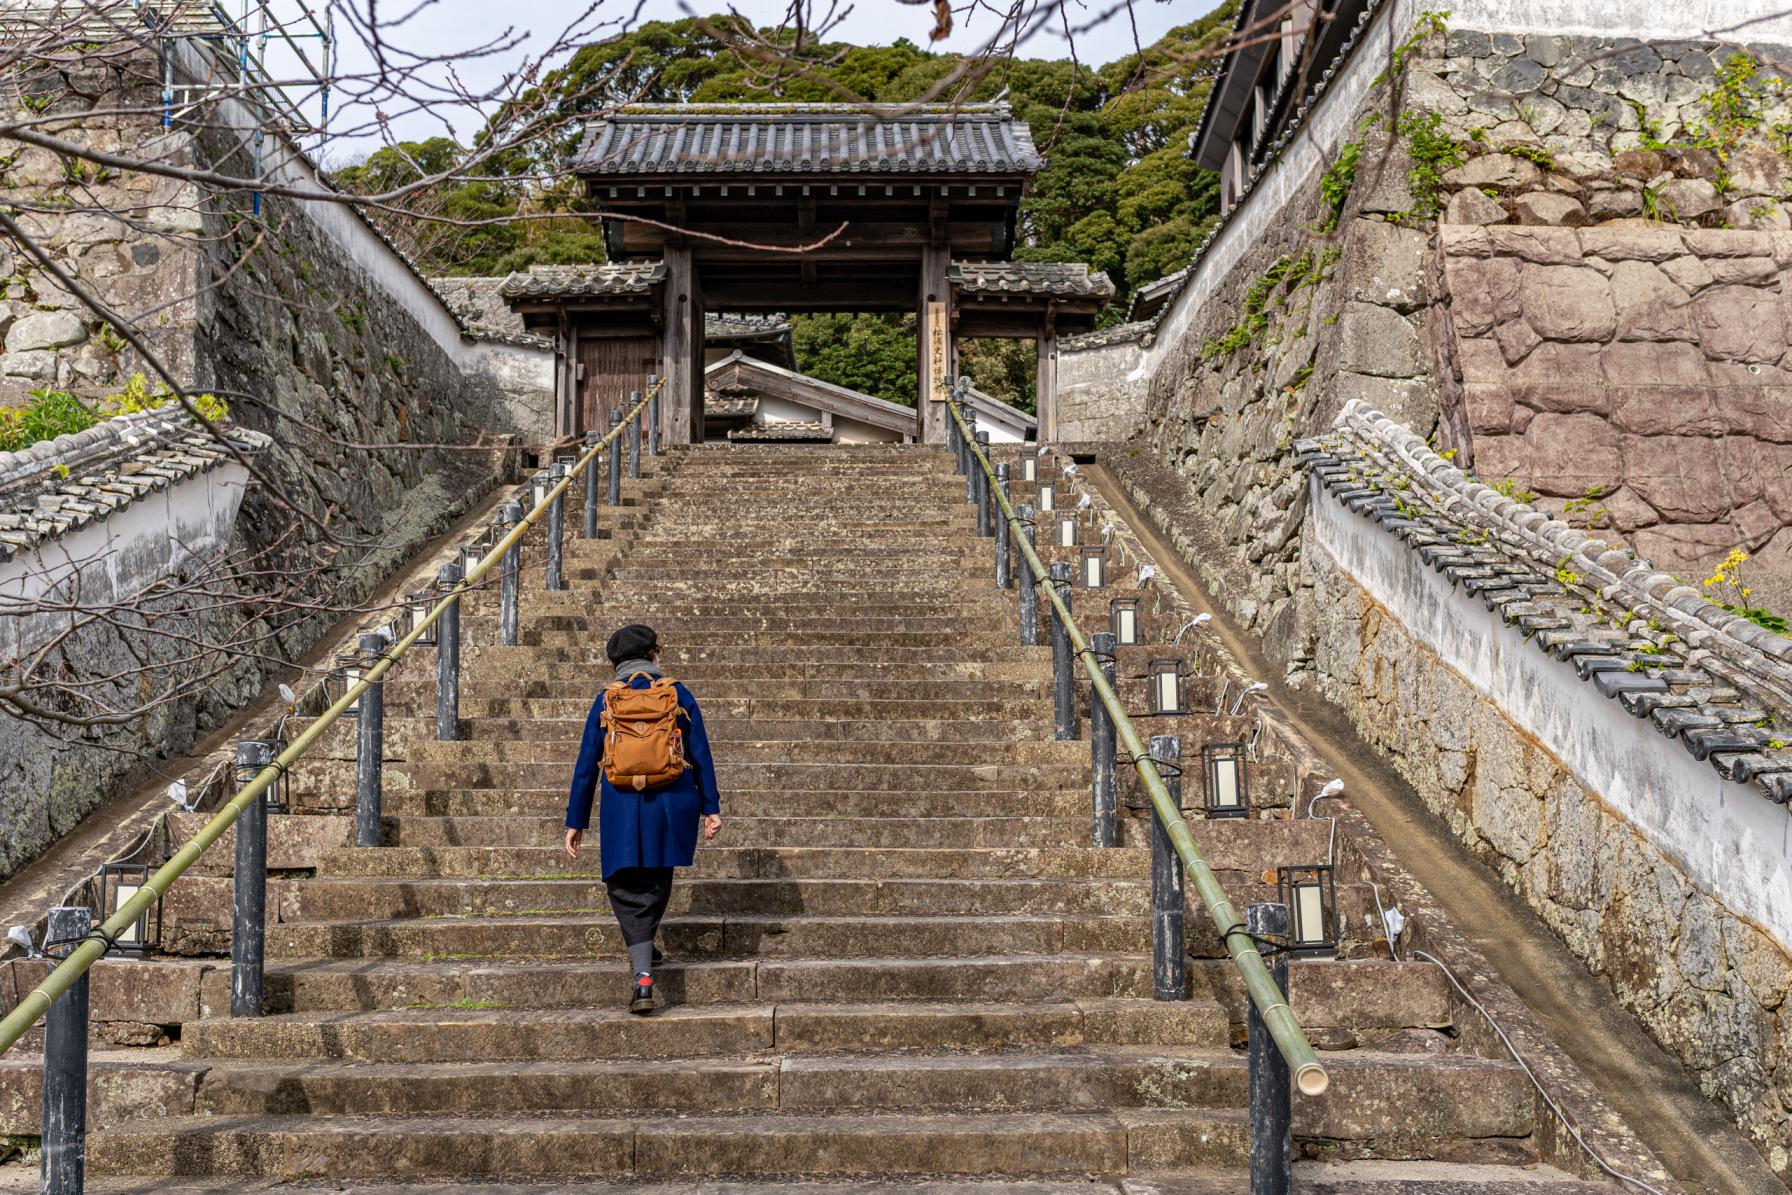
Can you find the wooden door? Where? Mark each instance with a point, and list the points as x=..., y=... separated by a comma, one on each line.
x=611, y=366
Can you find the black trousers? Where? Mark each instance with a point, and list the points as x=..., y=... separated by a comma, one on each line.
x=638, y=897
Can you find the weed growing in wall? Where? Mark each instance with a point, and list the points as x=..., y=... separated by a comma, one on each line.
x=1727, y=588
x=1295, y=273
x=1434, y=153
x=50, y=413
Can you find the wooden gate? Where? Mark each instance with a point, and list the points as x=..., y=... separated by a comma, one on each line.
x=610, y=367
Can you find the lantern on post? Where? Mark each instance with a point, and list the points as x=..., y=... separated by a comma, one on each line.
x=1029, y=466
x=421, y=603
x=1068, y=531
x=1165, y=674
x=470, y=555
x=1048, y=496
x=1310, y=894
x=539, y=485
x=347, y=674
x=1226, y=785
x=1123, y=620
x=118, y=883
x=1093, y=568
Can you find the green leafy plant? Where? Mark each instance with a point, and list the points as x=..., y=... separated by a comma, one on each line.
x=1508, y=487
x=1434, y=153
x=1337, y=180
x=1565, y=575
x=1423, y=27
x=1289, y=275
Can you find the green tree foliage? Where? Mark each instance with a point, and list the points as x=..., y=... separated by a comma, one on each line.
x=1118, y=191
x=1003, y=369
x=873, y=354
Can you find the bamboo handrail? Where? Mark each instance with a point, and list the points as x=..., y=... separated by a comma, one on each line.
x=37, y=1002
x=1309, y=1075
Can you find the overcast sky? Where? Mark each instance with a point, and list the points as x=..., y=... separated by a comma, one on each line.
x=453, y=26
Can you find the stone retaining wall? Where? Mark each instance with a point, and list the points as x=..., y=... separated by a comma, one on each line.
x=314, y=330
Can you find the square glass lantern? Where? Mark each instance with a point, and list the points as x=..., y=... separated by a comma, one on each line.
x=119, y=882
x=1226, y=780
x=1029, y=466
x=1068, y=530
x=1123, y=621
x=1165, y=676
x=1092, y=568
x=1048, y=496
x=420, y=604
x=1310, y=893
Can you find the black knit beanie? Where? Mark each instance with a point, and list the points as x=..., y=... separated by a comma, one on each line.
x=632, y=642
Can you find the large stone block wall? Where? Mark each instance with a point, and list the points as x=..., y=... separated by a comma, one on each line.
x=1637, y=365
x=386, y=420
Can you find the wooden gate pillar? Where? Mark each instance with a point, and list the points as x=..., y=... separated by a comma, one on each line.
x=1046, y=379
x=934, y=341
x=681, y=319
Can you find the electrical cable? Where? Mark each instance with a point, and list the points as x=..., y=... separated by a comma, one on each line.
x=1549, y=1100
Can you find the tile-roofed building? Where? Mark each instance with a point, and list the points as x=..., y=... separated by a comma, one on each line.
x=1103, y=337
x=788, y=405
x=606, y=278
x=794, y=140
x=1709, y=679
x=1151, y=298
x=1051, y=279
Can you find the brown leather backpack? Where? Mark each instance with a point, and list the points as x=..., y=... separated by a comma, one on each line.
x=643, y=742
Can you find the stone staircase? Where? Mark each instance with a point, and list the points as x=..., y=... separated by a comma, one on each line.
x=900, y=966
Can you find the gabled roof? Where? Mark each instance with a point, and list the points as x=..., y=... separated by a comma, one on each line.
x=995, y=408
x=478, y=301
x=802, y=389
x=593, y=281
x=1154, y=296
x=1052, y=279
x=807, y=139
x=1229, y=99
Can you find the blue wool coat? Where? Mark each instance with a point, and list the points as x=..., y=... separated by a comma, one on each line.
x=656, y=828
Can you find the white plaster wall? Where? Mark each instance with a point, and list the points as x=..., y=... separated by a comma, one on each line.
x=115, y=557
x=782, y=410
x=1726, y=838
x=523, y=379
x=851, y=431
x=1102, y=392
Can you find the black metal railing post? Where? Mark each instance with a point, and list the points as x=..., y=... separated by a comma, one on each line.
x=653, y=415
x=591, y=484
x=1004, y=557
x=1271, y=1090
x=1169, y=908
x=954, y=442
x=249, y=888
x=510, y=580
x=1029, y=585
x=370, y=747
x=634, y=437
x=448, y=659
x=614, y=452
x=556, y=534
x=971, y=468
x=1104, y=821
x=62, y=1168
x=1063, y=678
x=985, y=502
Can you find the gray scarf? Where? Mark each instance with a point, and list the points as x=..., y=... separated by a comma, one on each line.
x=628, y=668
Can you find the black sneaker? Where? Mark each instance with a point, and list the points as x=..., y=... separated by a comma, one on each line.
x=641, y=994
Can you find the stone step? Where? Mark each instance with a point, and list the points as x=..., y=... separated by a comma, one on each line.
x=814, y=694
x=404, y=731
x=339, y=775
x=988, y=710
x=846, y=753
x=699, y=935
x=1227, y=845
x=863, y=832
x=745, y=803
x=1105, y=1143
x=347, y=985
x=500, y=1033
x=1375, y=1097
x=1311, y=1178
x=348, y=899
